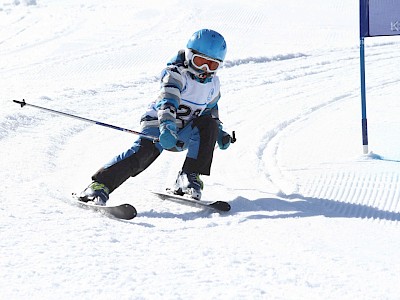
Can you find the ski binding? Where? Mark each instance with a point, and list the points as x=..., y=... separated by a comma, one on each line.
x=121, y=211
x=220, y=206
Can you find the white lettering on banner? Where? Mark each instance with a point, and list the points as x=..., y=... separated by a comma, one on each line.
x=383, y=17
x=395, y=26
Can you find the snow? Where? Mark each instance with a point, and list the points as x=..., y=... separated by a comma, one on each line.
x=312, y=217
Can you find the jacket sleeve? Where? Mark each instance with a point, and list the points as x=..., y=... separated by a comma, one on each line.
x=170, y=94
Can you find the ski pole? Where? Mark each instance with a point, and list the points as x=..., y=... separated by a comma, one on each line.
x=153, y=138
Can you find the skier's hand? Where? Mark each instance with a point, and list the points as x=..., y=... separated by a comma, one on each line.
x=168, y=134
x=224, y=139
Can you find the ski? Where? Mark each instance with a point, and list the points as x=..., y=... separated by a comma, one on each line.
x=220, y=206
x=122, y=211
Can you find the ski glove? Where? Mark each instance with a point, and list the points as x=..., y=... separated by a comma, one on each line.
x=224, y=139
x=168, y=134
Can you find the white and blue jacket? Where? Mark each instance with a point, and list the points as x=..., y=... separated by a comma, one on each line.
x=182, y=97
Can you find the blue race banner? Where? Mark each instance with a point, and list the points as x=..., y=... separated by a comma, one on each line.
x=379, y=17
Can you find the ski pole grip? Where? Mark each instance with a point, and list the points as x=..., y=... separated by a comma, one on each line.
x=22, y=103
x=233, y=138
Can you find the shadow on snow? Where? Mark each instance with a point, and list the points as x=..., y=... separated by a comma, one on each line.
x=284, y=206
x=295, y=205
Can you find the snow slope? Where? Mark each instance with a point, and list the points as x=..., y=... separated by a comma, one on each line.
x=312, y=218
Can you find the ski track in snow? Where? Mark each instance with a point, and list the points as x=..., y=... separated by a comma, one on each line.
x=281, y=106
x=361, y=194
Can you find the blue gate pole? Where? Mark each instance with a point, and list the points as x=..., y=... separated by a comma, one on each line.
x=363, y=98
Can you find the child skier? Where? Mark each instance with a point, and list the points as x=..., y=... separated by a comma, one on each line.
x=185, y=117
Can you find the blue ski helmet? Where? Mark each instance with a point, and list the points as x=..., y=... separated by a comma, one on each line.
x=208, y=42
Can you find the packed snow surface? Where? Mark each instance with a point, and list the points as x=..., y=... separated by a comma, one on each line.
x=312, y=216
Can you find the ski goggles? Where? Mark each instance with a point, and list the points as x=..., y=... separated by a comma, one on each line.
x=200, y=62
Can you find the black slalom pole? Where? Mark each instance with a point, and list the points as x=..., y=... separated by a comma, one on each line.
x=153, y=138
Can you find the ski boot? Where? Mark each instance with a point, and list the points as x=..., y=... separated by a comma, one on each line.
x=96, y=193
x=188, y=184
